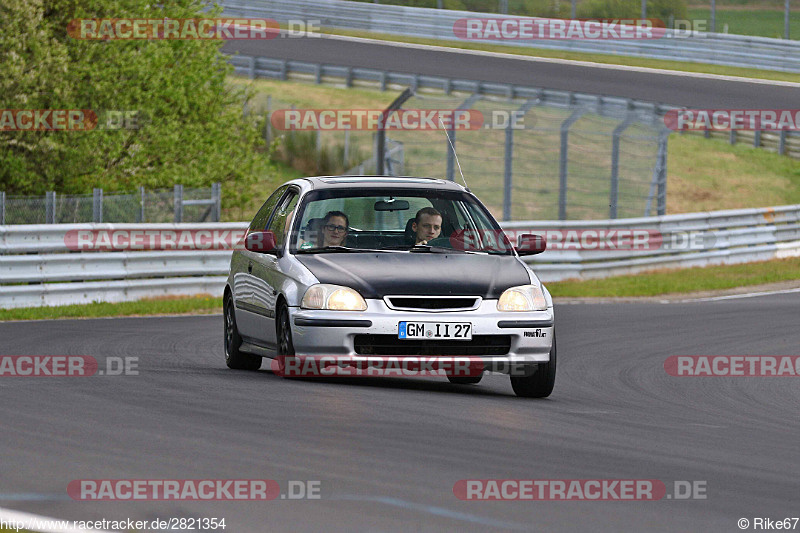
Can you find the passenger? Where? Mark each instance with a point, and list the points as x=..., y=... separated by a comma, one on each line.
x=334, y=229
x=427, y=225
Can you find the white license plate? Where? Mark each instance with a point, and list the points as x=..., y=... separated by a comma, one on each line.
x=461, y=331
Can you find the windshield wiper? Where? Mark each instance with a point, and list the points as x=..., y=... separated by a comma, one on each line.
x=419, y=248
x=327, y=249
x=343, y=249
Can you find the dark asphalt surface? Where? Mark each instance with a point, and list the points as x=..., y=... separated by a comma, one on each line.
x=388, y=451
x=706, y=93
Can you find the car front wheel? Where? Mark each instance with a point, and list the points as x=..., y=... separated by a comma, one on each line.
x=233, y=341
x=540, y=384
x=284, y=333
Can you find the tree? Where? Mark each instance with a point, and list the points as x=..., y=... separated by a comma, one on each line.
x=191, y=129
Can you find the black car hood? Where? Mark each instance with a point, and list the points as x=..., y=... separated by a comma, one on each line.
x=376, y=275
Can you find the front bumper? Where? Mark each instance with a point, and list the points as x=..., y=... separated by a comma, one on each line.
x=334, y=333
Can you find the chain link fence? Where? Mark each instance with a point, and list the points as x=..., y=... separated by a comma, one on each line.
x=176, y=205
x=535, y=162
x=530, y=159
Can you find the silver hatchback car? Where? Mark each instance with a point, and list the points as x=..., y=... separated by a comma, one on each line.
x=369, y=267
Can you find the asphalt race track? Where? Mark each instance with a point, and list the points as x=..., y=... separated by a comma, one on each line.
x=387, y=451
x=651, y=86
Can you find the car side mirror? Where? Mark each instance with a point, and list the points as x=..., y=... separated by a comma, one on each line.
x=261, y=242
x=531, y=244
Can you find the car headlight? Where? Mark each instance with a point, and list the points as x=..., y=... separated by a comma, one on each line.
x=333, y=297
x=522, y=298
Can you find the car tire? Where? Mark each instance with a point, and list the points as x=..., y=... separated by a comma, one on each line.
x=233, y=341
x=283, y=331
x=540, y=384
x=470, y=380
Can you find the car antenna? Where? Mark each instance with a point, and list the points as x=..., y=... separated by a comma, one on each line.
x=452, y=147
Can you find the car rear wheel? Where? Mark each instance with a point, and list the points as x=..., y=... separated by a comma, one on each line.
x=233, y=341
x=540, y=384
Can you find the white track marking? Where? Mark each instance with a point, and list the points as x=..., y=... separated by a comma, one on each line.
x=745, y=295
x=29, y=520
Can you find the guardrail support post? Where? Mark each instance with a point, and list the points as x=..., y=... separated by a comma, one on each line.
x=662, y=174
x=757, y=139
x=141, y=204
x=2, y=208
x=97, y=205
x=380, y=136
x=782, y=142
x=507, y=170
x=178, y=203
x=216, y=195
x=284, y=68
x=563, y=160
x=252, y=68
x=614, y=196
x=732, y=138
x=50, y=207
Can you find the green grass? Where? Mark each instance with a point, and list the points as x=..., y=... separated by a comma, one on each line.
x=682, y=281
x=203, y=304
x=684, y=66
x=759, y=22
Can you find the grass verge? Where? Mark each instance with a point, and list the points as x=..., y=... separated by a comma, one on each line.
x=684, y=281
x=203, y=304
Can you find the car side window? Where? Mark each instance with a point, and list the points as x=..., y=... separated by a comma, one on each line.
x=259, y=222
x=282, y=218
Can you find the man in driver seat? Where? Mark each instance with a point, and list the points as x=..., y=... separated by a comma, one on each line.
x=427, y=225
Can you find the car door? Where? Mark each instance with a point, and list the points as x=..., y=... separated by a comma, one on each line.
x=245, y=283
x=267, y=271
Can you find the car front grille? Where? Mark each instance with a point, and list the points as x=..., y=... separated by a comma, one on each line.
x=433, y=303
x=391, y=345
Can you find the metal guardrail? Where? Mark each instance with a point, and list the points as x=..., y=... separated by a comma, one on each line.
x=54, y=276
x=714, y=48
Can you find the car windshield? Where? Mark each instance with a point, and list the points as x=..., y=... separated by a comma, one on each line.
x=401, y=220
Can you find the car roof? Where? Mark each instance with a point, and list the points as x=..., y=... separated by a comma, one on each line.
x=405, y=182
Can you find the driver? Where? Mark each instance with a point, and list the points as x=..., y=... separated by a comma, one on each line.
x=334, y=229
x=427, y=225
